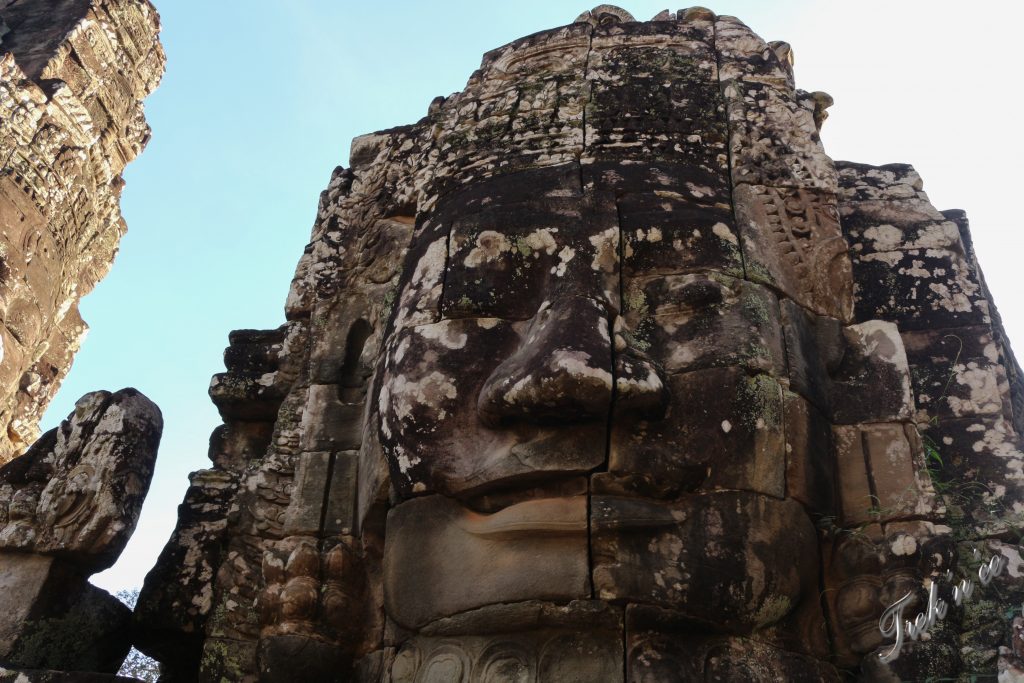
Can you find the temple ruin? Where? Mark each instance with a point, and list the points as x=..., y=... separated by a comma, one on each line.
x=604, y=371
x=73, y=74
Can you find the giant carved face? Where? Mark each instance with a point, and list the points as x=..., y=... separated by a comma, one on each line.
x=584, y=389
x=589, y=405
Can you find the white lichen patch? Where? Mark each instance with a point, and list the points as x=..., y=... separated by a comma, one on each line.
x=722, y=231
x=514, y=393
x=699, y=191
x=405, y=462
x=419, y=300
x=904, y=544
x=565, y=256
x=605, y=248
x=983, y=391
x=399, y=352
x=542, y=240
x=490, y=245
x=430, y=268
x=429, y=391
x=953, y=301
x=890, y=258
x=577, y=364
x=445, y=333
x=649, y=384
x=884, y=237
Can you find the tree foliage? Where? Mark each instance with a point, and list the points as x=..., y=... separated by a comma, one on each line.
x=136, y=664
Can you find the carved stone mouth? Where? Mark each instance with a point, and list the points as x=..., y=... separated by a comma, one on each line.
x=531, y=518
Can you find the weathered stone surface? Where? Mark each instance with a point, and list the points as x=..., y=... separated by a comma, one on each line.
x=983, y=458
x=67, y=509
x=774, y=139
x=654, y=654
x=604, y=371
x=36, y=676
x=707, y=556
x=87, y=630
x=810, y=465
x=502, y=378
x=857, y=373
x=679, y=322
x=23, y=580
x=78, y=492
x=72, y=79
x=722, y=430
x=177, y=595
x=882, y=473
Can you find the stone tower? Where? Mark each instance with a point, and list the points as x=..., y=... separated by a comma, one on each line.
x=73, y=74
x=604, y=371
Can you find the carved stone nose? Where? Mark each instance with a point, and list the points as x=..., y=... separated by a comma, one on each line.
x=561, y=371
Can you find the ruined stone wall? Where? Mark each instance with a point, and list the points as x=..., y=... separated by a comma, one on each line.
x=73, y=74
x=605, y=371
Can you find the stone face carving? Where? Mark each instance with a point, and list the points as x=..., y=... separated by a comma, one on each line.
x=67, y=508
x=589, y=376
x=72, y=79
x=535, y=550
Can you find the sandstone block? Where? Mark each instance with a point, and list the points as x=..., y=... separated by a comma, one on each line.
x=723, y=429
x=681, y=322
x=705, y=556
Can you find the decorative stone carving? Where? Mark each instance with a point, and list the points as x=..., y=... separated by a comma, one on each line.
x=79, y=490
x=72, y=79
x=67, y=509
x=791, y=240
x=581, y=379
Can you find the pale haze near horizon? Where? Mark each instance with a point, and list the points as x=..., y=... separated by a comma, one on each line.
x=261, y=99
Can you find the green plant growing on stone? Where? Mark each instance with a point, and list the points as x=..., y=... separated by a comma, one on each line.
x=136, y=664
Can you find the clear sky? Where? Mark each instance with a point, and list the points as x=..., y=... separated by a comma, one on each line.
x=261, y=99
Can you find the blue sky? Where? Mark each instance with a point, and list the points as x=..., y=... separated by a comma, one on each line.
x=261, y=99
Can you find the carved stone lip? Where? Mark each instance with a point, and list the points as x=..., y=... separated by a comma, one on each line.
x=532, y=518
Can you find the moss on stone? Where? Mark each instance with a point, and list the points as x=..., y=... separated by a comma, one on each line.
x=635, y=300
x=759, y=399
x=91, y=636
x=756, y=310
